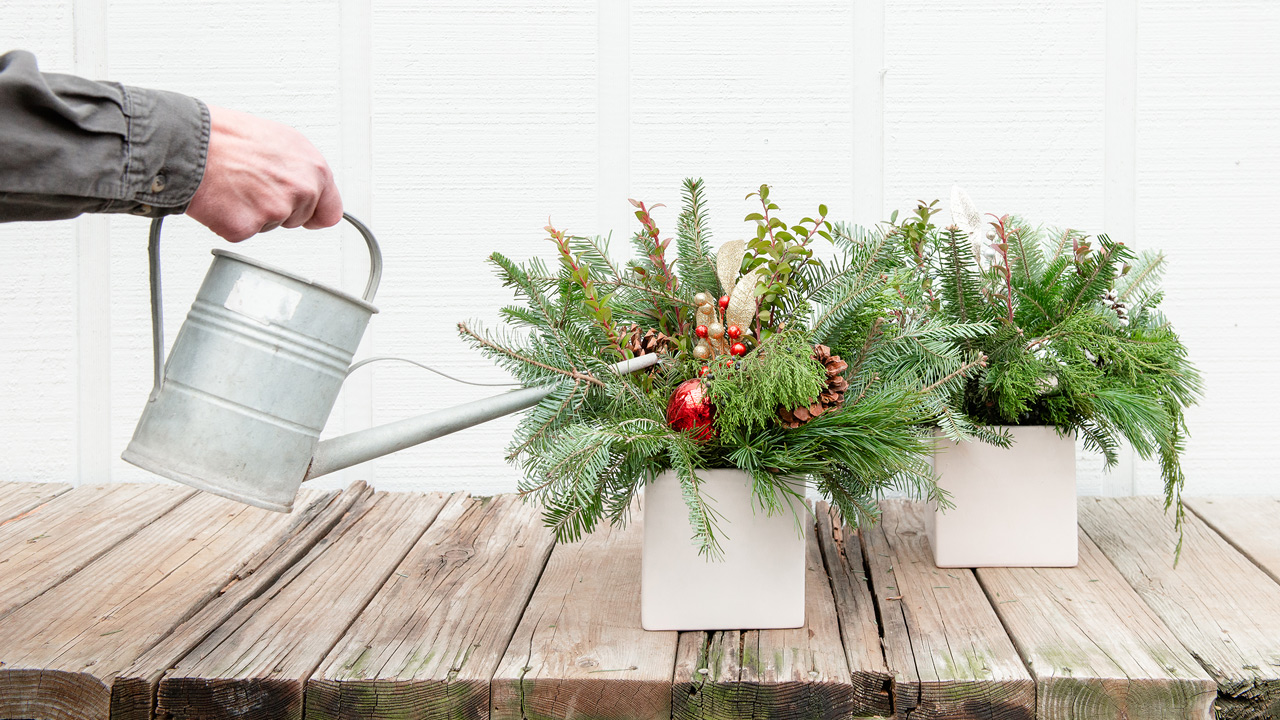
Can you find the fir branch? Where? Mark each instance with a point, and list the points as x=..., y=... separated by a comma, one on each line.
x=516, y=355
x=694, y=258
x=961, y=371
x=540, y=432
x=872, y=336
x=594, y=250
x=958, y=282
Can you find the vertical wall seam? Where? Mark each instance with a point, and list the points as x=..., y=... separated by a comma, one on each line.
x=613, y=117
x=868, y=112
x=355, y=128
x=1119, y=172
x=92, y=361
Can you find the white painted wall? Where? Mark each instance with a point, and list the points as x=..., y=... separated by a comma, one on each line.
x=456, y=127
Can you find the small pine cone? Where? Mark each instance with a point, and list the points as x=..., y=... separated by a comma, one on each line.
x=650, y=342
x=1112, y=301
x=830, y=397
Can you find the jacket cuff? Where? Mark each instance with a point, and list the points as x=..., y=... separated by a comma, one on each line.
x=167, y=144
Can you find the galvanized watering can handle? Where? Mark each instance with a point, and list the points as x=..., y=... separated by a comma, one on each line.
x=157, y=315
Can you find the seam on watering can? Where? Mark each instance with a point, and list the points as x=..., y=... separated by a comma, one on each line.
x=255, y=413
x=334, y=352
x=272, y=341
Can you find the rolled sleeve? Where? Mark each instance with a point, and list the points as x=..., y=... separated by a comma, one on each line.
x=168, y=136
x=70, y=145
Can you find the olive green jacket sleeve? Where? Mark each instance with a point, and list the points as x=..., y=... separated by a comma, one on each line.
x=70, y=145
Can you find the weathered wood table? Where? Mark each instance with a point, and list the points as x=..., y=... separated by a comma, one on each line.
x=129, y=601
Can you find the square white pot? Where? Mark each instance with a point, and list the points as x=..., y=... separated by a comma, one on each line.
x=758, y=584
x=1014, y=507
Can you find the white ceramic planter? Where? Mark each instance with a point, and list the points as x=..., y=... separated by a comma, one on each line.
x=1014, y=507
x=758, y=584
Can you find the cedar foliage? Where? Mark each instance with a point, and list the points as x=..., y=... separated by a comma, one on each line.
x=1060, y=352
x=592, y=443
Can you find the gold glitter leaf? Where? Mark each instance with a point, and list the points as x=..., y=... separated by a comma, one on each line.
x=742, y=302
x=729, y=261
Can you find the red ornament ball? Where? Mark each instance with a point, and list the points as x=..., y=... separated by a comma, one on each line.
x=700, y=331
x=738, y=349
x=689, y=409
x=704, y=370
x=734, y=332
x=724, y=302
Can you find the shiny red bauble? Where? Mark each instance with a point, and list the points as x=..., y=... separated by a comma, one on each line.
x=738, y=349
x=724, y=302
x=689, y=409
x=704, y=370
x=734, y=332
x=700, y=331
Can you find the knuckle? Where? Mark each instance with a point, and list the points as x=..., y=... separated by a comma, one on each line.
x=279, y=210
x=238, y=232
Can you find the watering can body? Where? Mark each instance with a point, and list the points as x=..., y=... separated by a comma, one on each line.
x=238, y=407
x=253, y=374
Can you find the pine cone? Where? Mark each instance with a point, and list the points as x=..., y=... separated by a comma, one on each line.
x=1112, y=301
x=650, y=342
x=830, y=397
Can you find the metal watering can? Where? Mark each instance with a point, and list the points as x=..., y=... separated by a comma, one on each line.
x=238, y=407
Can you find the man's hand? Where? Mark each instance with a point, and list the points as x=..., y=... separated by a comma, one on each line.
x=260, y=175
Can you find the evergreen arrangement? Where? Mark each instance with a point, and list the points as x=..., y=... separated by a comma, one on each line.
x=792, y=368
x=1077, y=340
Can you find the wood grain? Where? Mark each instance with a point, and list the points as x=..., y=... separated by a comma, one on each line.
x=579, y=648
x=256, y=664
x=61, y=653
x=430, y=640
x=859, y=627
x=1094, y=648
x=1224, y=610
x=51, y=542
x=943, y=642
x=134, y=691
x=799, y=672
x=17, y=498
x=1250, y=524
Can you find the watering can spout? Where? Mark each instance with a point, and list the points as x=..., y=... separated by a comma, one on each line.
x=364, y=445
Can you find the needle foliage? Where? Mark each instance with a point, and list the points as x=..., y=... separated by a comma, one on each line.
x=589, y=446
x=1076, y=339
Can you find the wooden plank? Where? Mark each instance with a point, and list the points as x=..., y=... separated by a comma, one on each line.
x=61, y=653
x=430, y=640
x=17, y=498
x=134, y=691
x=53, y=541
x=859, y=628
x=1224, y=610
x=943, y=642
x=708, y=677
x=256, y=664
x=1250, y=524
x=1094, y=648
x=800, y=672
x=579, y=650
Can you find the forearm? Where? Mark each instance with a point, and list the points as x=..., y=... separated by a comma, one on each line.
x=70, y=145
